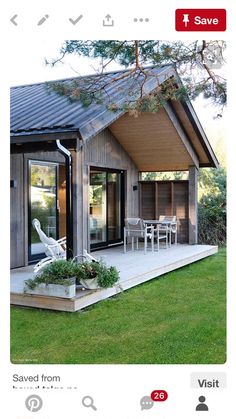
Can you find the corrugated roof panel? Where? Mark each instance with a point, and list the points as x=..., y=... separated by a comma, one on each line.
x=34, y=109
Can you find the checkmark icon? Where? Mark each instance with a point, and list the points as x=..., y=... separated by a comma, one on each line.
x=75, y=21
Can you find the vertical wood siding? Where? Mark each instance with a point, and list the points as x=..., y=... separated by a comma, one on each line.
x=193, y=205
x=104, y=151
x=166, y=198
x=17, y=212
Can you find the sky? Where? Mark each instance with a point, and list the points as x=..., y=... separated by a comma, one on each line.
x=29, y=63
x=28, y=66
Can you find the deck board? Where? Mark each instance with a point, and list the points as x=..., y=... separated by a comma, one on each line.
x=135, y=268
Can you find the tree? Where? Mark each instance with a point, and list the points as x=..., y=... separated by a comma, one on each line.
x=212, y=206
x=192, y=61
x=195, y=64
x=171, y=175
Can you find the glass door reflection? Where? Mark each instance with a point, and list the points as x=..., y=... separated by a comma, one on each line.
x=98, y=204
x=42, y=204
x=114, y=206
x=106, y=207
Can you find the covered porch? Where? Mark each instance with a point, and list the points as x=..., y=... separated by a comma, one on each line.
x=135, y=268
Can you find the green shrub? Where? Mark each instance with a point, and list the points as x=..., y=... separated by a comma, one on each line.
x=212, y=206
x=106, y=276
x=87, y=270
x=59, y=272
x=62, y=272
x=212, y=226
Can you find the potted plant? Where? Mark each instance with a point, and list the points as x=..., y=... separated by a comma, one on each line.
x=56, y=280
x=95, y=275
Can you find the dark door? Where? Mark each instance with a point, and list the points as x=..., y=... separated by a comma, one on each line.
x=106, y=207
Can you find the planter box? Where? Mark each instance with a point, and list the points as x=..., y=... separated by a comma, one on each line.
x=90, y=284
x=53, y=290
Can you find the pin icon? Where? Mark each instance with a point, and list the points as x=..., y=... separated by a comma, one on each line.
x=185, y=20
x=33, y=403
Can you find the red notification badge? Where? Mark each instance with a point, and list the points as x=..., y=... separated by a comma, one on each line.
x=159, y=395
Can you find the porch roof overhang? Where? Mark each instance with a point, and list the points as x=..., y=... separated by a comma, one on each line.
x=171, y=139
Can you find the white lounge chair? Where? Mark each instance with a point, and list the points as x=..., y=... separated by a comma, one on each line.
x=54, y=249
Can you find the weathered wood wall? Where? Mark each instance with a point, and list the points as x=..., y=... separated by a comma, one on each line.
x=166, y=198
x=17, y=211
x=193, y=205
x=105, y=151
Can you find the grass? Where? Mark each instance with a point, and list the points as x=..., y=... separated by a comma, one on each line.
x=178, y=318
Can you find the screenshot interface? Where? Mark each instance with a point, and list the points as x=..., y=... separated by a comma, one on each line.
x=118, y=267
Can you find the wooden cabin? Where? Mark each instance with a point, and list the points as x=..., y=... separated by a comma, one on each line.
x=78, y=169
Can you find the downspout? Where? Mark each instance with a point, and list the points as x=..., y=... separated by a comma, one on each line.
x=69, y=207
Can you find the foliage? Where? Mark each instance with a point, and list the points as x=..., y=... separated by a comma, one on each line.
x=96, y=190
x=212, y=206
x=42, y=213
x=43, y=197
x=42, y=176
x=106, y=276
x=63, y=272
x=177, y=318
x=60, y=272
x=189, y=58
x=176, y=175
x=87, y=270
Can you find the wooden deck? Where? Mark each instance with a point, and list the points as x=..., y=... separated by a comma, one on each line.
x=135, y=268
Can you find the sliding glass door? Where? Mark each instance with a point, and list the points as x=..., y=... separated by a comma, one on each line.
x=106, y=207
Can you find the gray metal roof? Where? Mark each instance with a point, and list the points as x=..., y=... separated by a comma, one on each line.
x=35, y=110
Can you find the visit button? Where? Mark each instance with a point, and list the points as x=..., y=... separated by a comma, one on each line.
x=200, y=20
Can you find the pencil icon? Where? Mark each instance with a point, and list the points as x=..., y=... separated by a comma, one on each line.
x=41, y=21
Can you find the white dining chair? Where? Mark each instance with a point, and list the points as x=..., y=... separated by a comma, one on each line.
x=135, y=228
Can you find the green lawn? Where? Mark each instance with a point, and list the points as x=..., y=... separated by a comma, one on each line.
x=176, y=318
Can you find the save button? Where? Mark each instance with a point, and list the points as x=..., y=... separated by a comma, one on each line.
x=200, y=20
